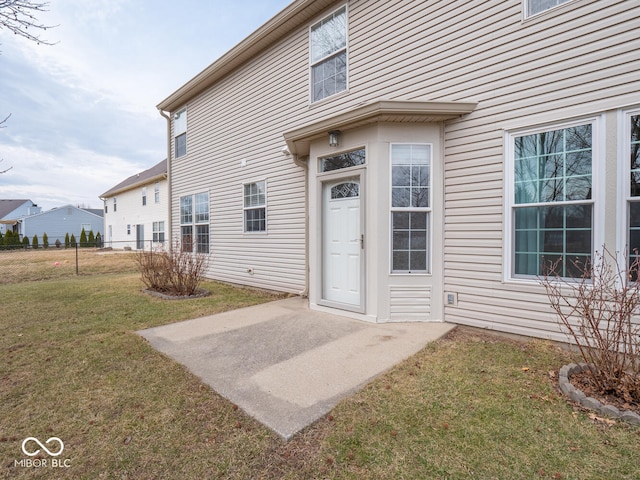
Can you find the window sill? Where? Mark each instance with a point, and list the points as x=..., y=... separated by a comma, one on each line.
x=330, y=98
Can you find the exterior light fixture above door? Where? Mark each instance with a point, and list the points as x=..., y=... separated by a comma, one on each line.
x=334, y=138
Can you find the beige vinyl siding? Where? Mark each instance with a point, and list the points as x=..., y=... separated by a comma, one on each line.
x=409, y=303
x=242, y=119
x=579, y=59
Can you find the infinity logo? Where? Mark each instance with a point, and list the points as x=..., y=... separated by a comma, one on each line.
x=33, y=439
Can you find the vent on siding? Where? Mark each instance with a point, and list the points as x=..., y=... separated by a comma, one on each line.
x=410, y=303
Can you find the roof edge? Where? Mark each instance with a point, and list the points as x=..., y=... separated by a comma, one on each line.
x=289, y=18
x=384, y=110
x=131, y=186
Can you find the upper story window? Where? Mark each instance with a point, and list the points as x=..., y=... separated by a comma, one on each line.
x=144, y=196
x=180, y=132
x=552, y=207
x=329, y=55
x=115, y=204
x=156, y=192
x=533, y=7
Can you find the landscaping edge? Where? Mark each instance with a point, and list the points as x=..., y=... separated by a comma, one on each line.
x=567, y=371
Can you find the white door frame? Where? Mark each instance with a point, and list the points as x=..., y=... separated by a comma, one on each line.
x=357, y=173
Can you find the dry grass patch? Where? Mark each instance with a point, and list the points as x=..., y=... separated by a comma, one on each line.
x=465, y=407
x=54, y=263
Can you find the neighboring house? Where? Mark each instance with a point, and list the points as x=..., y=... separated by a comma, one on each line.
x=60, y=221
x=12, y=210
x=136, y=210
x=414, y=160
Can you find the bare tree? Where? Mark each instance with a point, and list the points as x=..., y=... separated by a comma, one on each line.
x=20, y=17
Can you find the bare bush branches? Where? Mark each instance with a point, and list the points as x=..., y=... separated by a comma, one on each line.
x=19, y=17
x=599, y=312
x=172, y=270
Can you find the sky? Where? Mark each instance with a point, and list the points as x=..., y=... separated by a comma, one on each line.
x=83, y=110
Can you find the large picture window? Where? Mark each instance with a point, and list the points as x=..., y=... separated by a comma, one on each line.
x=410, y=207
x=255, y=207
x=329, y=55
x=194, y=223
x=553, y=200
x=180, y=133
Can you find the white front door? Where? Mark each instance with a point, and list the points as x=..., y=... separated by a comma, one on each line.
x=342, y=242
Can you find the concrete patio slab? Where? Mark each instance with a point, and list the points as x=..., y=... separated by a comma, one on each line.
x=284, y=364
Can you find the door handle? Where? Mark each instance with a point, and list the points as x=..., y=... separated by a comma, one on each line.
x=362, y=241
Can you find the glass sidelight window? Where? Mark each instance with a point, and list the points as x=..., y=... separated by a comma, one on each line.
x=410, y=207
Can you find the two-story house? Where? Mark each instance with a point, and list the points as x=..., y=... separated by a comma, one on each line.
x=59, y=222
x=415, y=160
x=136, y=210
x=12, y=210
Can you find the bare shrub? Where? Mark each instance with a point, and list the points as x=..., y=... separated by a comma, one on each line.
x=598, y=311
x=154, y=268
x=172, y=270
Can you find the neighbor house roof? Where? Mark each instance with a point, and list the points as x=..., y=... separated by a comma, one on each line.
x=155, y=173
x=8, y=206
x=297, y=13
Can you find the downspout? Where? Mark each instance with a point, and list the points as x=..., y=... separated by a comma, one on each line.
x=305, y=166
x=169, y=225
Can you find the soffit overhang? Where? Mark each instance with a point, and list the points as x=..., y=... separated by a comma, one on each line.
x=299, y=12
x=387, y=111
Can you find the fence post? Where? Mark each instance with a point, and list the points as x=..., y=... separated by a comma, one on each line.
x=77, y=259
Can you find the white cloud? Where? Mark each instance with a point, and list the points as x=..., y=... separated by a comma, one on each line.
x=83, y=110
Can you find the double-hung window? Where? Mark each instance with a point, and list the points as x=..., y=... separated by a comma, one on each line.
x=552, y=200
x=158, y=232
x=156, y=192
x=115, y=204
x=533, y=7
x=410, y=208
x=255, y=207
x=632, y=127
x=144, y=196
x=194, y=223
x=329, y=55
x=180, y=133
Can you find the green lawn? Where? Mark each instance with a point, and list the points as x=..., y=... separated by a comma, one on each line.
x=465, y=407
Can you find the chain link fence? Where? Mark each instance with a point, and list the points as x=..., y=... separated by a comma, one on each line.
x=26, y=264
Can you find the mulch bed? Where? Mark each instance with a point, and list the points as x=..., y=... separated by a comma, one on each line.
x=584, y=381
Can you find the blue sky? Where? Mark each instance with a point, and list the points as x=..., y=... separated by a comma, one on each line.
x=83, y=111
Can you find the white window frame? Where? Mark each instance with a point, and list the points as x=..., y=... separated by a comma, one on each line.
x=527, y=10
x=158, y=232
x=344, y=49
x=144, y=196
x=598, y=166
x=179, y=128
x=156, y=192
x=624, y=182
x=246, y=208
x=196, y=222
x=428, y=210
x=115, y=204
